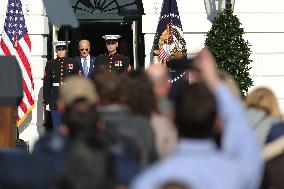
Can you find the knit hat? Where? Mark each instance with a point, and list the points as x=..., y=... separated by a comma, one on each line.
x=76, y=87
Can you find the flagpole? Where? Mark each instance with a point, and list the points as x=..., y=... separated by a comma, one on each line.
x=170, y=9
x=170, y=23
x=170, y=5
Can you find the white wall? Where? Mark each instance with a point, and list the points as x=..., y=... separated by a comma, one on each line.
x=261, y=20
x=37, y=24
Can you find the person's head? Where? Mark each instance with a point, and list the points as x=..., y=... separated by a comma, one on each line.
x=78, y=95
x=111, y=42
x=140, y=94
x=160, y=79
x=84, y=48
x=74, y=88
x=80, y=118
x=61, y=48
x=109, y=87
x=264, y=99
x=173, y=185
x=196, y=111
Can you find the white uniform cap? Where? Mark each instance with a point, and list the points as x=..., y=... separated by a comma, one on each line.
x=111, y=37
x=61, y=43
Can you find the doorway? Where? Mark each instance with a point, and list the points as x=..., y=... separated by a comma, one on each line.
x=93, y=31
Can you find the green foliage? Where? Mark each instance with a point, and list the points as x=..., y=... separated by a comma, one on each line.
x=232, y=52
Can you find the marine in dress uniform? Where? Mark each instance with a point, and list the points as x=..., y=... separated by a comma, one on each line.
x=56, y=71
x=112, y=61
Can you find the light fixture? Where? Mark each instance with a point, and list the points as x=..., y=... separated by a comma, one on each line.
x=214, y=6
x=230, y=5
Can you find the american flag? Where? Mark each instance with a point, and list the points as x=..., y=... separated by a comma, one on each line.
x=15, y=41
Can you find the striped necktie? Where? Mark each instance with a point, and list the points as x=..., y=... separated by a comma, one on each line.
x=85, y=67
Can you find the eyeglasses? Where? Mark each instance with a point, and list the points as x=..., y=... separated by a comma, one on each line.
x=84, y=49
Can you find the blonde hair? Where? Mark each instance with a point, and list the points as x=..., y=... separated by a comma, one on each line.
x=264, y=99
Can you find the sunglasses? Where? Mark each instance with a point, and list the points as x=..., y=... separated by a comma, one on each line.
x=84, y=49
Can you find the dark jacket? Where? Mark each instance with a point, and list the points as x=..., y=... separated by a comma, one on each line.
x=119, y=122
x=132, y=141
x=56, y=71
x=274, y=155
x=113, y=62
x=276, y=131
x=273, y=173
x=92, y=64
x=20, y=170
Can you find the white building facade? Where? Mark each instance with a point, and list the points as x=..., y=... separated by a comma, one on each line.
x=261, y=20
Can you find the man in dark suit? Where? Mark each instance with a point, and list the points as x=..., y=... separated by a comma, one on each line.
x=112, y=61
x=85, y=61
x=56, y=71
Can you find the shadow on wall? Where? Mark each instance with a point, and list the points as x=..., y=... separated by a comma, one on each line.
x=26, y=123
x=40, y=113
x=152, y=54
x=39, y=121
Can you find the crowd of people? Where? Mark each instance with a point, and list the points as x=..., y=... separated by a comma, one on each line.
x=117, y=128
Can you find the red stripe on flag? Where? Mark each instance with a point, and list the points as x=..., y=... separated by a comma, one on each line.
x=28, y=94
x=25, y=62
x=27, y=40
x=4, y=48
x=23, y=106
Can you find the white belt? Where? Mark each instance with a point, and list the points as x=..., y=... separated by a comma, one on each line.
x=55, y=84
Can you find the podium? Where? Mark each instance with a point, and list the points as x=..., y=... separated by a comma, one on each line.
x=7, y=126
x=11, y=93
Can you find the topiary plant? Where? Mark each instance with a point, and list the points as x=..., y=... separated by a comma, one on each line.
x=225, y=40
